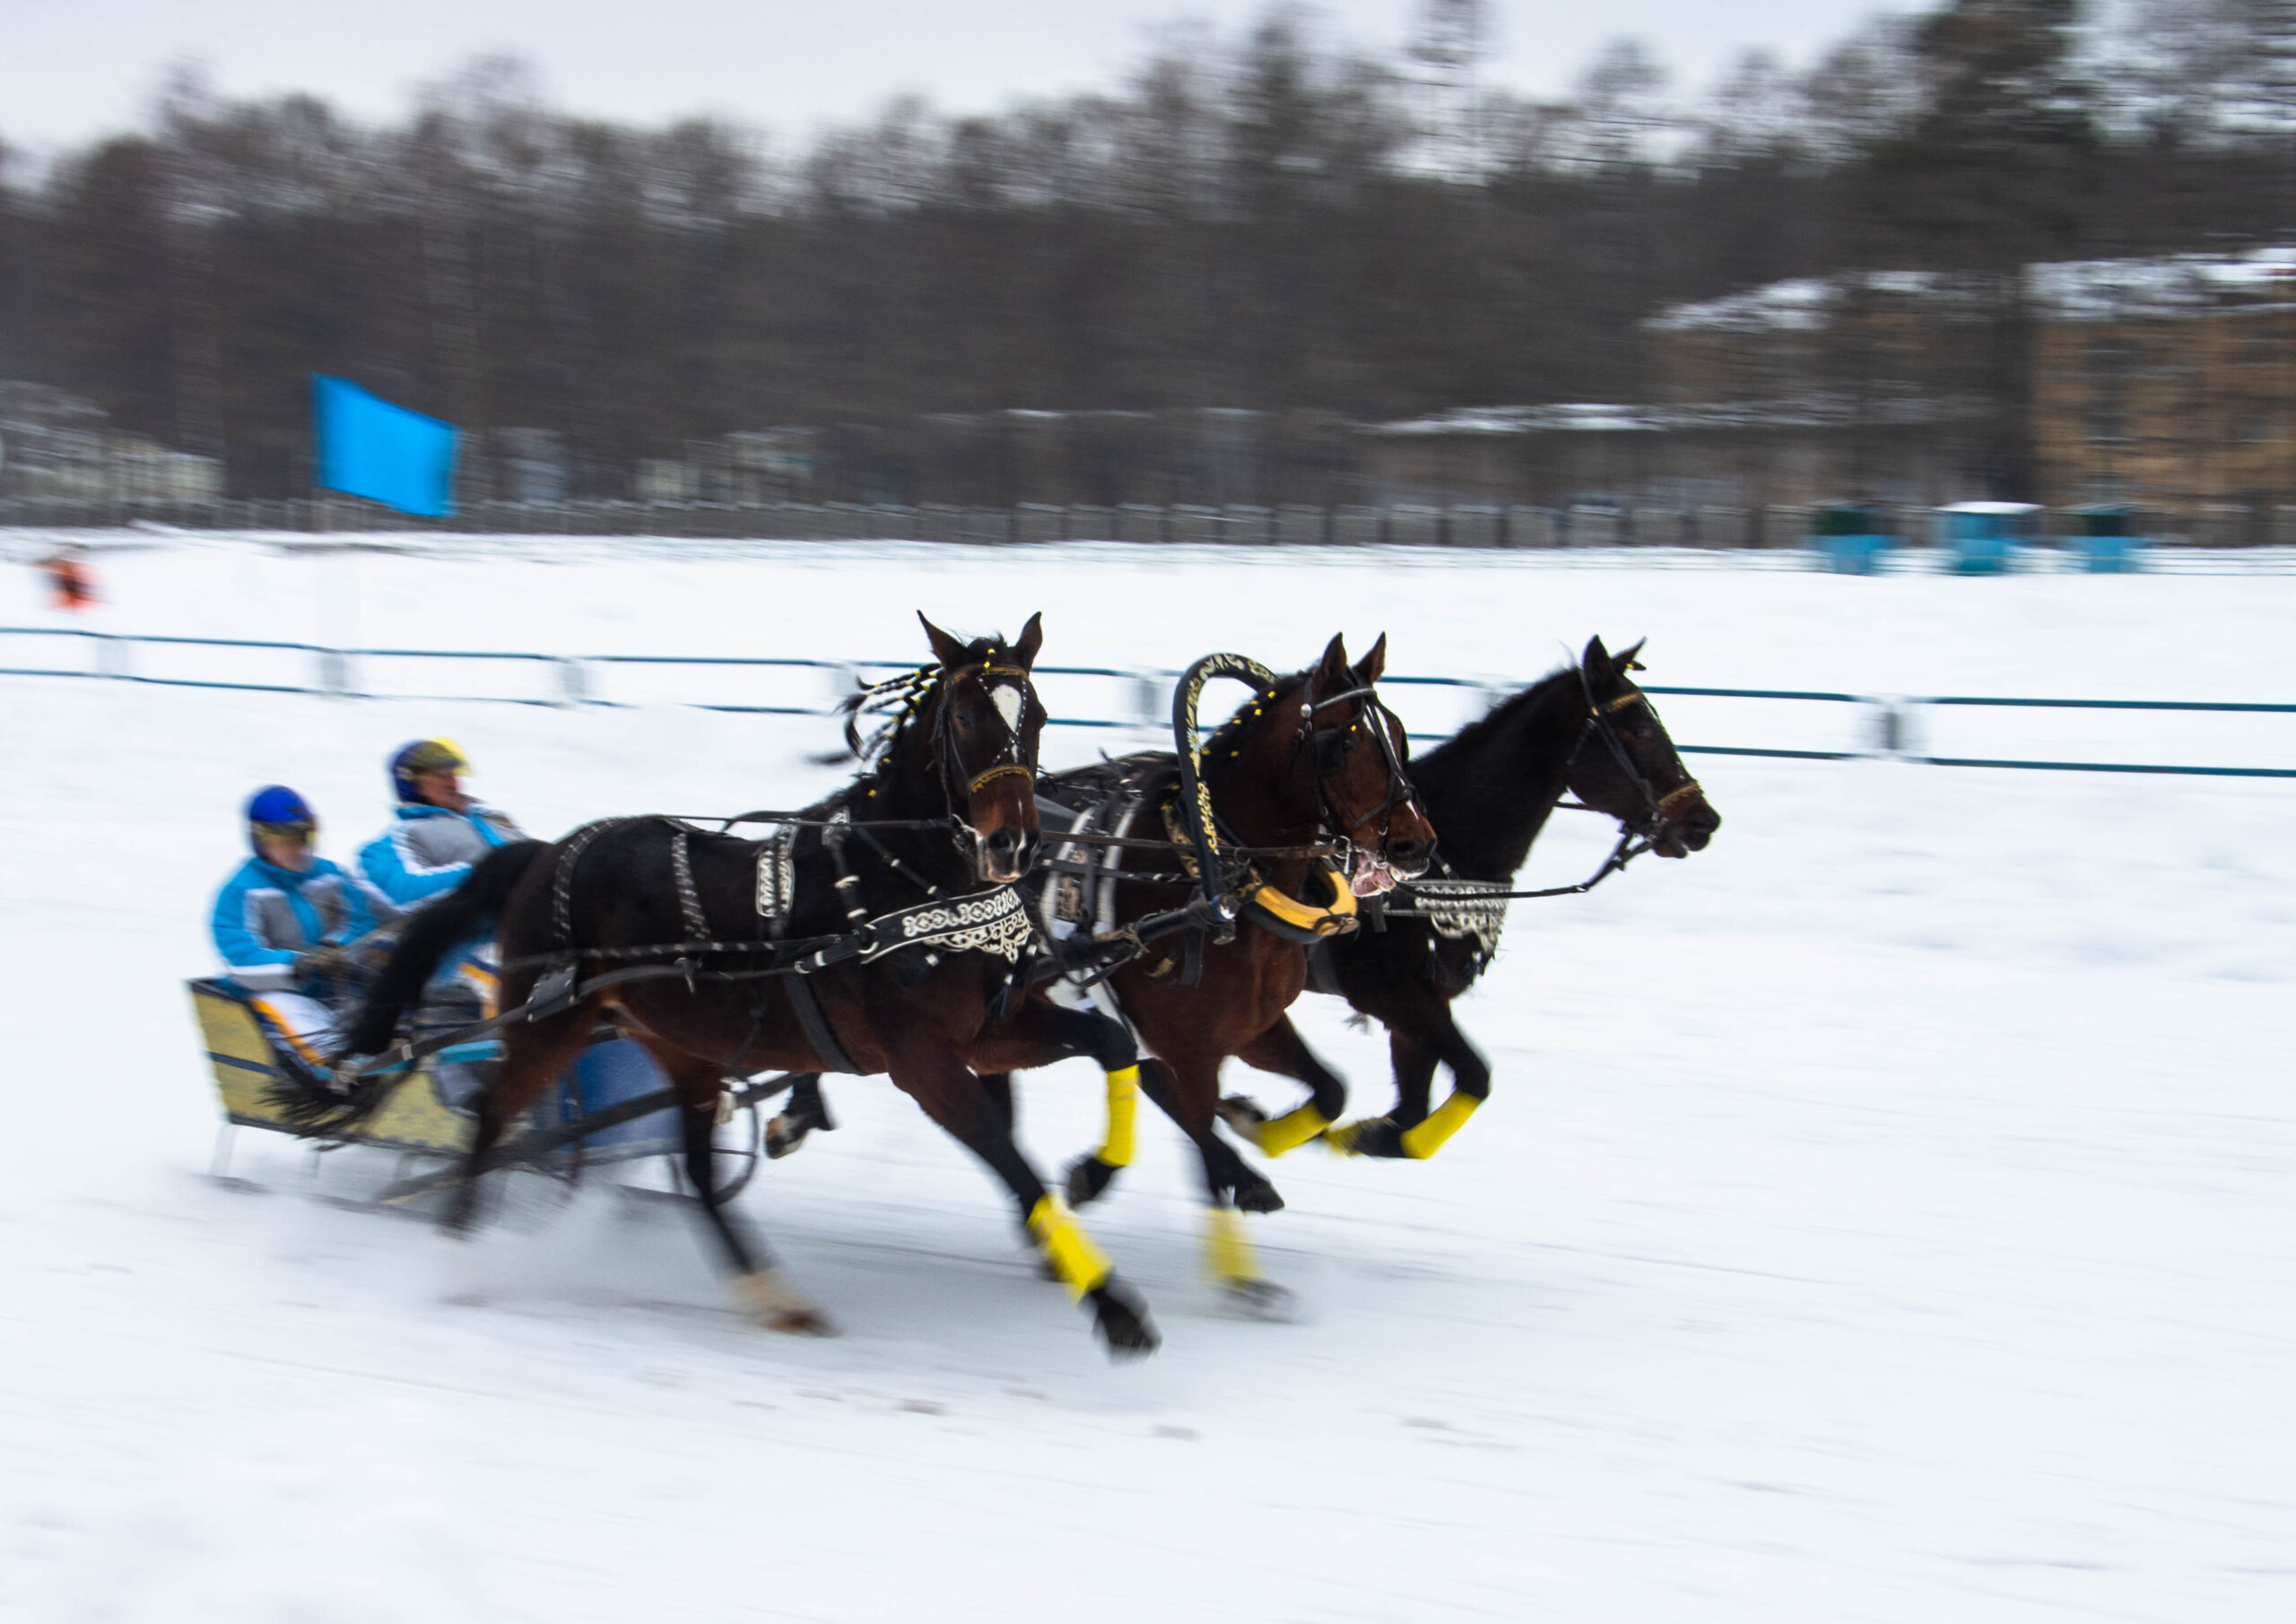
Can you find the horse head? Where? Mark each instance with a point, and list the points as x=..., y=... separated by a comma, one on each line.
x=983, y=719
x=1340, y=755
x=1625, y=765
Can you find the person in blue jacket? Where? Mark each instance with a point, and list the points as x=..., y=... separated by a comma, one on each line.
x=437, y=835
x=284, y=922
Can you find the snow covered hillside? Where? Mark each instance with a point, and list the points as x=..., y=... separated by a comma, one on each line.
x=1888, y=1213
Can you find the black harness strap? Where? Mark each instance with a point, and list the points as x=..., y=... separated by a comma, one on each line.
x=815, y=1025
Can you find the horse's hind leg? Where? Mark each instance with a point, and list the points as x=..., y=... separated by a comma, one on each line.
x=1418, y=1040
x=1282, y=1050
x=533, y=1056
x=756, y=1282
x=804, y=1111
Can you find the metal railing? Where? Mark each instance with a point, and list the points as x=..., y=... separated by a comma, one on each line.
x=1889, y=730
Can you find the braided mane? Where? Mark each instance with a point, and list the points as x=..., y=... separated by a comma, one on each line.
x=1227, y=735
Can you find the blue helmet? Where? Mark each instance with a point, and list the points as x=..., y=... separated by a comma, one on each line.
x=424, y=755
x=277, y=810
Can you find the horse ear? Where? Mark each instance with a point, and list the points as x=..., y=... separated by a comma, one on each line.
x=1334, y=661
x=946, y=648
x=1369, y=669
x=1596, y=661
x=1626, y=661
x=1032, y=639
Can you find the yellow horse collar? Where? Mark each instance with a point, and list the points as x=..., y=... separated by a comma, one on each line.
x=1305, y=921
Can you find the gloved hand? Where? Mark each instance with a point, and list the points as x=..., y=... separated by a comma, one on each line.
x=325, y=963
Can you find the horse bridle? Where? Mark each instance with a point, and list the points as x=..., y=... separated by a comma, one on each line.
x=1658, y=809
x=1008, y=761
x=1326, y=749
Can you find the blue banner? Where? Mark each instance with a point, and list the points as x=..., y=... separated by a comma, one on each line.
x=369, y=448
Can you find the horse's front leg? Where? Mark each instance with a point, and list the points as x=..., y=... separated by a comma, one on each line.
x=1187, y=1091
x=924, y=1065
x=1041, y=1032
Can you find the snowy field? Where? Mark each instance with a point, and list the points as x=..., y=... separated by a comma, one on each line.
x=1888, y=1213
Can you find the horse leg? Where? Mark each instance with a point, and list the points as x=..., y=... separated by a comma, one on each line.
x=1280, y=1050
x=1418, y=1040
x=757, y=1283
x=951, y=1095
x=1226, y=1174
x=533, y=1057
x=1041, y=1032
x=998, y=1086
x=804, y=1111
x=1188, y=1091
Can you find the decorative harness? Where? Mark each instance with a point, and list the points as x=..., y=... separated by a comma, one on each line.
x=994, y=921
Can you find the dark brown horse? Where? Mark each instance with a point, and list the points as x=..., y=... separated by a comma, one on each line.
x=1315, y=760
x=916, y=858
x=1587, y=729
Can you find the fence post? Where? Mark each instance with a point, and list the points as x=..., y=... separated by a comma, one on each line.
x=335, y=672
x=573, y=682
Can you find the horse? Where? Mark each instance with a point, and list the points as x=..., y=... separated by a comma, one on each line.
x=1586, y=728
x=1315, y=758
x=894, y=938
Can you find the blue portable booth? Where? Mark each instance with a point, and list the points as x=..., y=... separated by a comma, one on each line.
x=2104, y=539
x=1849, y=536
x=1981, y=538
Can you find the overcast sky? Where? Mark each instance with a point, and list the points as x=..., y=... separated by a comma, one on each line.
x=73, y=68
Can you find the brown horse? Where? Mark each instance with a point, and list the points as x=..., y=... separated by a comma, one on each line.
x=1315, y=759
x=895, y=896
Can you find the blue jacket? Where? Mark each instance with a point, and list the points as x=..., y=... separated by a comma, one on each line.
x=266, y=914
x=428, y=849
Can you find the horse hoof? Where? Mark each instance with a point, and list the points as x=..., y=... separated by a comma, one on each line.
x=1369, y=1136
x=1089, y=1179
x=1242, y=1115
x=784, y=1137
x=1256, y=1195
x=1122, y=1320
x=777, y=1308
x=1261, y=1299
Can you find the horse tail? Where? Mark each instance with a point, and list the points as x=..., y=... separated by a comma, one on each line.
x=431, y=935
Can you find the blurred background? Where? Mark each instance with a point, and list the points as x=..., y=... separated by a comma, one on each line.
x=2023, y=250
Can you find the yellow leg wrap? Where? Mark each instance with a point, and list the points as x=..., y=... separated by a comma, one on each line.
x=1081, y=1266
x=1445, y=1120
x=1290, y=1131
x=1124, y=1104
x=1228, y=1251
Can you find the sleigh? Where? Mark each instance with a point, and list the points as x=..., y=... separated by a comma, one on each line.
x=612, y=1109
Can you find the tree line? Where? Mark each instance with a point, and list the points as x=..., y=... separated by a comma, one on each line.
x=1267, y=223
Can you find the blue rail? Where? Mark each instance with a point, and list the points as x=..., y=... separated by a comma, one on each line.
x=333, y=666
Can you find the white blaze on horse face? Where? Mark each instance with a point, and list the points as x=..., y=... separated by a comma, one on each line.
x=1008, y=701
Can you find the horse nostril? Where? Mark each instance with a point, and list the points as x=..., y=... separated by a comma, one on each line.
x=1401, y=852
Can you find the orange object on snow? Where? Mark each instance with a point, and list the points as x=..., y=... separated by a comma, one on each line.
x=74, y=583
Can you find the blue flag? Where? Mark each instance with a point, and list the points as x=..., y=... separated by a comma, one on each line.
x=369, y=448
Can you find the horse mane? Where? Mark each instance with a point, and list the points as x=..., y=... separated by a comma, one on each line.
x=897, y=699
x=1233, y=729
x=1474, y=785
x=1505, y=714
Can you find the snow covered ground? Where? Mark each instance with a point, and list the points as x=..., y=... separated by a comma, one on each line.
x=1885, y=1214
